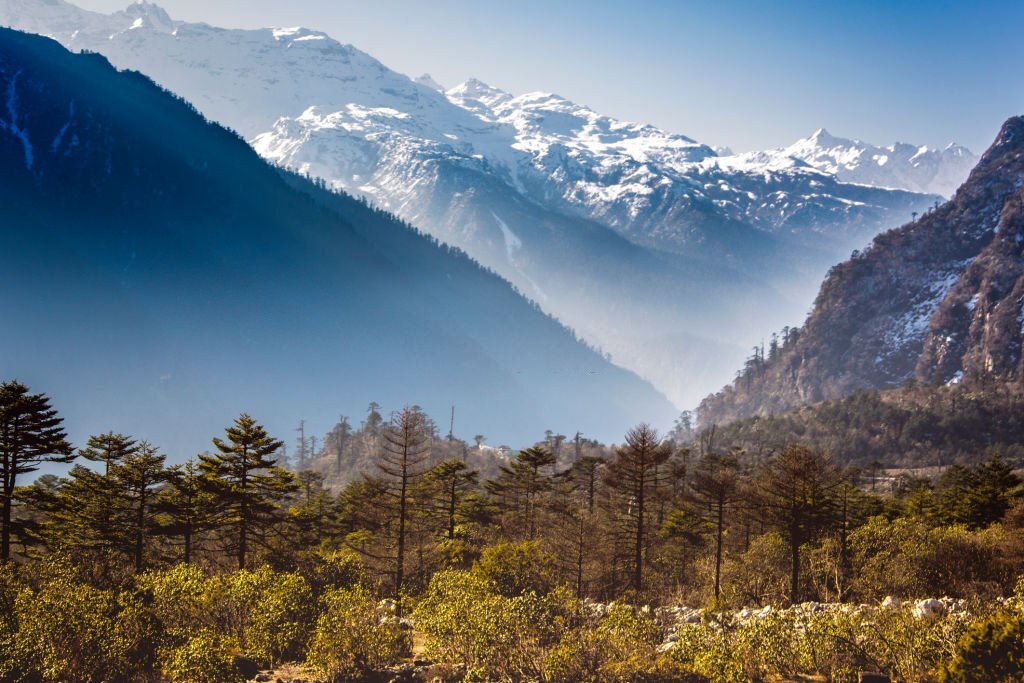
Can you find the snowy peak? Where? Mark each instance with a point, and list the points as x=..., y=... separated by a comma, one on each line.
x=427, y=81
x=478, y=97
x=900, y=165
x=148, y=15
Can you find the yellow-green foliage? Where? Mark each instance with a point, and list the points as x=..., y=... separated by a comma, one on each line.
x=205, y=657
x=353, y=636
x=267, y=614
x=622, y=646
x=517, y=568
x=991, y=650
x=836, y=642
x=69, y=631
x=497, y=637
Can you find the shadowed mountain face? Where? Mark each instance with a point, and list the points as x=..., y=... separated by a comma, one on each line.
x=159, y=278
x=940, y=300
x=651, y=246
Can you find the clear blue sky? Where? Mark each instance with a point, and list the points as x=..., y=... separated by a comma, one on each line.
x=740, y=73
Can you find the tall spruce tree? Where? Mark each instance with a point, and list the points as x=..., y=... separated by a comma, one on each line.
x=30, y=435
x=715, y=488
x=796, y=493
x=245, y=482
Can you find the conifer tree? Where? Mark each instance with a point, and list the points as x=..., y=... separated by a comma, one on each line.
x=444, y=487
x=138, y=475
x=109, y=449
x=714, y=487
x=796, y=493
x=634, y=474
x=246, y=484
x=520, y=485
x=185, y=507
x=30, y=435
x=404, y=450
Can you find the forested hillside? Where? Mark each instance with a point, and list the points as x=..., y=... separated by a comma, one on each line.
x=938, y=300
x=152, y=259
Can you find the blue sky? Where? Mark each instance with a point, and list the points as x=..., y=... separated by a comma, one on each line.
x=740, y=73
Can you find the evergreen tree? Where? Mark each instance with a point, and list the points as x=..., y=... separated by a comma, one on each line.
x=138, y=476
x=714, y=488
x=185, y=507
x=30, y=435
x=520, y=486
x=110, y=449
x=444, y=487
x=796, y=493
x=635, y=473
x=404, y=450
x=246, y=484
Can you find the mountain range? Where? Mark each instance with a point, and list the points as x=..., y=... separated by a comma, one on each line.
x=937, y=301
x=667, y=255
x=160, y=278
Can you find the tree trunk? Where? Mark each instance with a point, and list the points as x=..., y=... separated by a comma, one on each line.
x=718, y=549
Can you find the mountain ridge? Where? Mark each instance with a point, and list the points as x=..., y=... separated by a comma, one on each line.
x=156, y=263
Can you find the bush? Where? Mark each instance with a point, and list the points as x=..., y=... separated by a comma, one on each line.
x=206, y=657
x=497, y=637
x=267, y=614
x=70, y=631
x=517, y=568
x=352, y=637
x=991, y=650
x=623, y=646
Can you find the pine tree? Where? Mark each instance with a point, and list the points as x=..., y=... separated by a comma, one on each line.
x=715, y=488
x=634, y=474
x=444, y=487
x=185, y=507
x=110, y=449
x=796, y=493
x=520, y=486
x=138, y=476
x=404, y=450
x=30, y=435
x=246, y=484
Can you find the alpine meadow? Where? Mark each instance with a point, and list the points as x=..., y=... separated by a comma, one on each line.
x=314, y=371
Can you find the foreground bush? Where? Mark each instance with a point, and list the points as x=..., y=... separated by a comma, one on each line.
x=991, y=650
x=353, y=637
x=70, y=631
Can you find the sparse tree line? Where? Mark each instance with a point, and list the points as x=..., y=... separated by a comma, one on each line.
x=549, y=564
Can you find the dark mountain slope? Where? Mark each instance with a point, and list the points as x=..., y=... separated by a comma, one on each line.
x=938, y=300
x=159, y=278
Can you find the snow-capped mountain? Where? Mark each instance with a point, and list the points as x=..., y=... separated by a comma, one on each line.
x=900, y=165
x=652, y=246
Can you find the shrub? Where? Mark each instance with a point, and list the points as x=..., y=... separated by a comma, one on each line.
x=991, y=650
x=70, y=631
x=352, y=637
x=496, y=636
x=206, y=657
x=517, y=568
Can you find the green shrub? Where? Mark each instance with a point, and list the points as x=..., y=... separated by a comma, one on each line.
x=517, y=568
x=991, y=650
x=496, y=636
x=69, y=631
x=268, y=614
x=353, y=637
x=205, y=657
